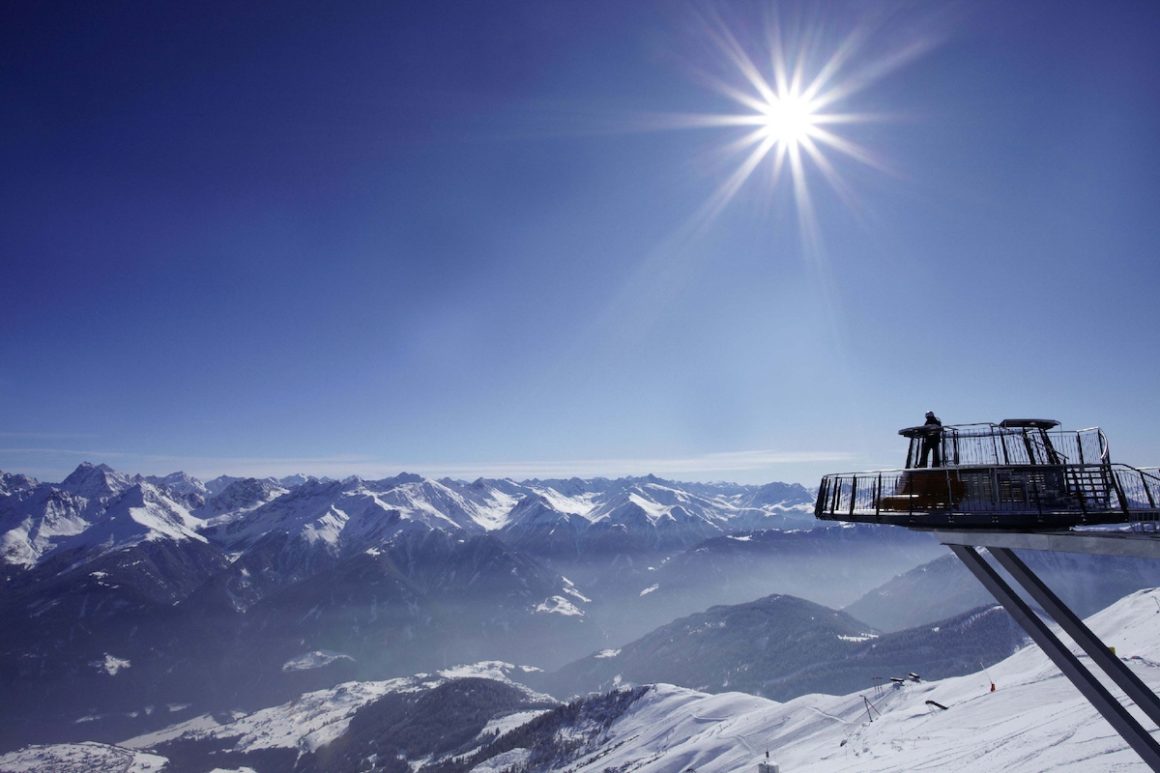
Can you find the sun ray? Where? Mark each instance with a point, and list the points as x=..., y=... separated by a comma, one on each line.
x=739, y=96
x=807, y=223
x=778, y=163
x=728, y=189
x=873, y=72
x=851, y=149
x=837, y=183
x=790, y=89
x=743, y=143
x=842, y=54
x=736, y=53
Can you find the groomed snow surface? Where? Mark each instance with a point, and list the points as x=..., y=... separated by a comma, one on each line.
x=1035, y=720
x=308, y=722
x=317, y=718
x=81, y=757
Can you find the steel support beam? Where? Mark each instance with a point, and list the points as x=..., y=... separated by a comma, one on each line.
x=1108, y=543
x=1117, y=716
x=1111, y=665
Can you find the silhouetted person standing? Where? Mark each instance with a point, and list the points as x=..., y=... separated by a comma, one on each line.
x=931, y=441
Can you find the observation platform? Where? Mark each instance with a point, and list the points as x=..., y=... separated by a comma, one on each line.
x=1022, y=474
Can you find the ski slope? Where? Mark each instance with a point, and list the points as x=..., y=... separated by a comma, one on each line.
x=1035, y=719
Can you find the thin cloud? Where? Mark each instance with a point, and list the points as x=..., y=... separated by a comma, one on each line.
x=725, y=462
x=47, y=435
x=344, y=465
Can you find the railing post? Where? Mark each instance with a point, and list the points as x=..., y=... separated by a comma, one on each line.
x=878, y=495
x=853, y=493
x=1079, y=489
x=1119, y=490
x=1147, y=491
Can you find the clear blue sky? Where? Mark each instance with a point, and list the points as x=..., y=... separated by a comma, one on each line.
x=365, y=237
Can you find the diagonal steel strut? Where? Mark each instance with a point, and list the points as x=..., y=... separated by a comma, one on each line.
x=1117, y=716
x=1111, y=665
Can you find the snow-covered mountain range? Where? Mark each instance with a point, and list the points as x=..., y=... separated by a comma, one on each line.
x=232, y=577
x=96, y=509
x=93, y=510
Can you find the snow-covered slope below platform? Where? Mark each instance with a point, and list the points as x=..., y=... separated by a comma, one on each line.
x=1034, y=720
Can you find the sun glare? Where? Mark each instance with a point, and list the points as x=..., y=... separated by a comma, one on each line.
x=789, y=91
x=787, y=119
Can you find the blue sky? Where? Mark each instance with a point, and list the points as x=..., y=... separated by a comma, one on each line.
x=444, y=238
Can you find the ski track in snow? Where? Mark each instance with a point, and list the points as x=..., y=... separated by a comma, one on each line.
x=1035, y=721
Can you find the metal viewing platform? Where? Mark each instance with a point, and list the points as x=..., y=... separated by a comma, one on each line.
x=1022, y=484
x=1019, y=474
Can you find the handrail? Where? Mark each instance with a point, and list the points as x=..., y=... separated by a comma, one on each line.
x=1076, y=493
x=1048, y=452
x=1131, y=483
x=994, y=445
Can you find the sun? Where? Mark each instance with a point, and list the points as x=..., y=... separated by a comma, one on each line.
x=787, y=119
x=791, y=115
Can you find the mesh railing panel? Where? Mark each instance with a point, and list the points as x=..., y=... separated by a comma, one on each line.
x=1074, y=489
x=994, y=445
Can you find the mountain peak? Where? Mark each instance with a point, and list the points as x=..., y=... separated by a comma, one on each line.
x=183, y=485
x=402, y=478
x=95, y=480
x=13, y=482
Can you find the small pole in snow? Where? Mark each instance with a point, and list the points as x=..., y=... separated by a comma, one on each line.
x=870, y=706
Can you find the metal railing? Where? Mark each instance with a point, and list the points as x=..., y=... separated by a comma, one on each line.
x=1140, y=493
x=1100, y=492
x=968, y=445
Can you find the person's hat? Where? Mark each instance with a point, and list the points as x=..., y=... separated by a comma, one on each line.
x=930, y=414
